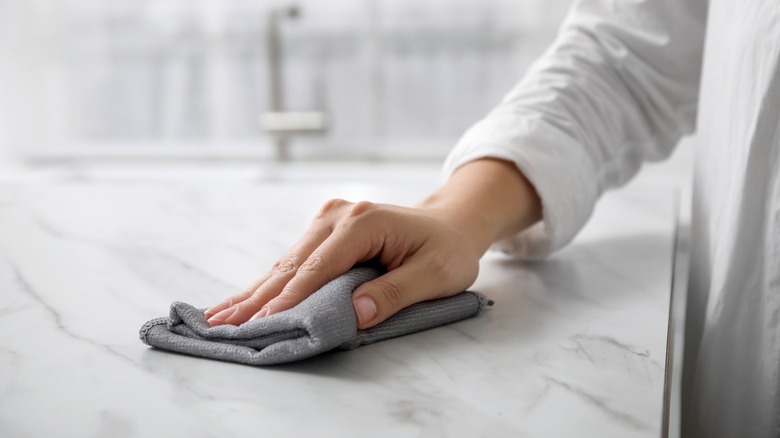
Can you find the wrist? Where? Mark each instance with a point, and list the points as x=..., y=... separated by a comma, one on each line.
x=469, y=224
x=485, y=200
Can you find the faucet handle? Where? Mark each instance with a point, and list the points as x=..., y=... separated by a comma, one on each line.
x=293, y=121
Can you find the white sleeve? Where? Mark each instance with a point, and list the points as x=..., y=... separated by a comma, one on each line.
x=618, y=86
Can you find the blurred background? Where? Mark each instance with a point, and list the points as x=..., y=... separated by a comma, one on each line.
x=306, y=80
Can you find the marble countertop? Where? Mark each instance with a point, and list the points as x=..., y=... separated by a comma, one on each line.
x=575, y=346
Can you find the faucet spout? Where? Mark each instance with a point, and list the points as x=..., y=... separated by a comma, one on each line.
x=277, y=122
x=274, y=51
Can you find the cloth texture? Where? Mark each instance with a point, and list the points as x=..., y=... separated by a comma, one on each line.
x=322, y=322
x=623, y=81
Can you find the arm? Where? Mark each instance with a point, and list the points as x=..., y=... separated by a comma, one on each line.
x=619, y=86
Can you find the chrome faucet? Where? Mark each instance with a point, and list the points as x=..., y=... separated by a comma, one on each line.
x=277, y=122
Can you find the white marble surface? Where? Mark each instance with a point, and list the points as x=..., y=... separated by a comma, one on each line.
x=574, y=346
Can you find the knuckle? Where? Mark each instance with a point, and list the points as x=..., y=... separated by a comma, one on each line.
x=361, y=208
x=438, y=263
x=329, y=206
x=315, y=262
x=389, y=292
x=284, y=265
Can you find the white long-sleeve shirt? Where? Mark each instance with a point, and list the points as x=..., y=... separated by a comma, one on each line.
x=623, y=82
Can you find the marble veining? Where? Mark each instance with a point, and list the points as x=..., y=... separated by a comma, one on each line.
x=575, y=346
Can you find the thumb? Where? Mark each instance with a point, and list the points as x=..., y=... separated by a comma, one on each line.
x=379, y=299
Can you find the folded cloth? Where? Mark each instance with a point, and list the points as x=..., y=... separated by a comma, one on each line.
x=322, y=322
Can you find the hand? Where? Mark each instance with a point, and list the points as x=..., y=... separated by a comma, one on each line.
x=431, y=251
x=426, y=258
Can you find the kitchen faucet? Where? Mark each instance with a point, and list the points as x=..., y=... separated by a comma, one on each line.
x=279, y=123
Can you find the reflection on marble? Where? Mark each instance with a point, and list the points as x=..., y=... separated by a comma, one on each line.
x=575, y=346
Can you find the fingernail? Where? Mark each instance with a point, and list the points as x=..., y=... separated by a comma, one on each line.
x=217, y=308
x=223, y=315
x=260, y=314
x=365, y=308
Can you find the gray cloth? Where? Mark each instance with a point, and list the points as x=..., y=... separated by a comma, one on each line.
x=322, y=322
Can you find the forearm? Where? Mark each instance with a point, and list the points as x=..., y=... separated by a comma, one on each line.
x=486, y=200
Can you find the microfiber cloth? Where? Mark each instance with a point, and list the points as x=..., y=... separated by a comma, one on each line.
x=322, y=322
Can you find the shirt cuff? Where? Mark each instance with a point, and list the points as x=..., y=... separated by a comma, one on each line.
x=553, y=162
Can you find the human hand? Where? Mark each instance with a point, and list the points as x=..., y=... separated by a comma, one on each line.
x=431, y=251
x=425, y=255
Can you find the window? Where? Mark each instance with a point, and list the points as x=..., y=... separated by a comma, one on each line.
x=395, y=78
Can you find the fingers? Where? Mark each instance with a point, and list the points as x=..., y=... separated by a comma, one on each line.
x=240, y=308
x=281, y=273
x=342, y=250
x=235, y=299
x=241, y=312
